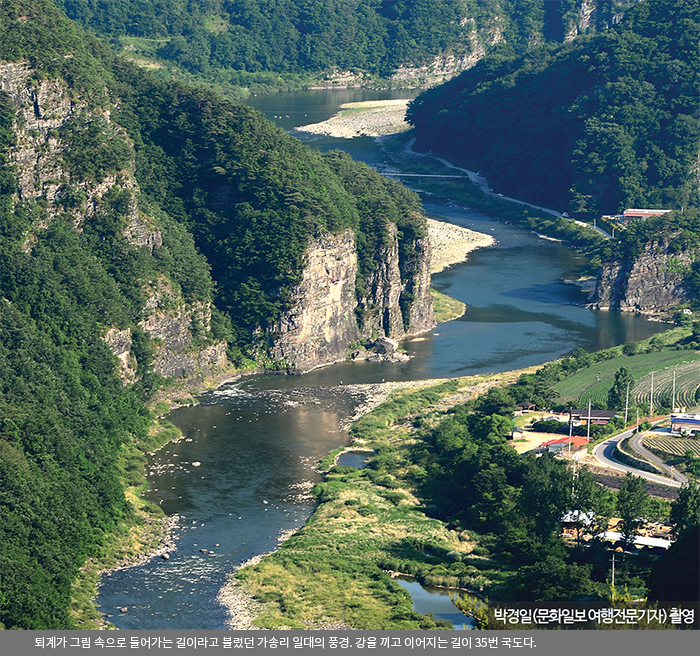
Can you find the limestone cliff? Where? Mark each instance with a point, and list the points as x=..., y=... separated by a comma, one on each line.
x=321, y=324
x=398, y=303
x=648, y=284
x=327, y=317
x=48, y=114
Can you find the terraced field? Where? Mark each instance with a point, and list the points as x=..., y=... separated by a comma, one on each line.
x=687, y=384
x=594, y=382
x=678, y=446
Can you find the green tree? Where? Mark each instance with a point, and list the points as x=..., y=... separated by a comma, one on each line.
x=583, y=499
x=617, y=395
x=631, y=506
x=552, y=579
x=685, y=510
x=546, y=494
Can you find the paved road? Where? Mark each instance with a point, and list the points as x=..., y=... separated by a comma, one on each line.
x=637, y=445
x=483, y=184
x=604, y=453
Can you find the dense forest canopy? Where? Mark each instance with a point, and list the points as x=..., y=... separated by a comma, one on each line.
x=234, y=201
x=233, y=40
x=594, y=126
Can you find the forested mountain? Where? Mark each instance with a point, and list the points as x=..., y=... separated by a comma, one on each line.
x=234, y=42
x=653, y=265
x=127, y=206
x=593, y=126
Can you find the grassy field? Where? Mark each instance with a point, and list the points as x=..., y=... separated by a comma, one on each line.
x=336, y=570
x=677, y=446
x=446, y=308
x=592, y=384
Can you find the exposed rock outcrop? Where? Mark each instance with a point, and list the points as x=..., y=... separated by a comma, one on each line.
x=394, y=284
x=321, y=324
x=120, y=343
x=326, y=317
x=649, y=284
x=170, y=323
x=45, y=107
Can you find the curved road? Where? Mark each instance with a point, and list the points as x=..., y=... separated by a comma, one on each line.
x=483, y=184
x=636, y=443
x=604, y=453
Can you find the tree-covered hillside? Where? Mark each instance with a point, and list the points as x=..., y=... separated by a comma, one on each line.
x=235, y=42
x=126, y=200
x=591, y=127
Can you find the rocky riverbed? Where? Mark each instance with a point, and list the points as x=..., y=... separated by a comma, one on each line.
x=370, y=118
x=451, y=243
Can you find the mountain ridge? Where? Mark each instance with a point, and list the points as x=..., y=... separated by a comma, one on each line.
x=120, y=196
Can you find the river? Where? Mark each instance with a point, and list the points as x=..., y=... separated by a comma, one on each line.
x=256, y=440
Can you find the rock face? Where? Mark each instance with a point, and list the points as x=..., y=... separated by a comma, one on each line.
x=398, y=282
x=120, y=343
x=44, y=109
x=326, y=317
x=321, y=323
x=171, y=323
x=651, y=283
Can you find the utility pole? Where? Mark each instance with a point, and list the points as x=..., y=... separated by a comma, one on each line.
x=673, y=402
x=588, y=428
x=651, y=396
x=627, y=402
x=613, y=572
x=571, y=428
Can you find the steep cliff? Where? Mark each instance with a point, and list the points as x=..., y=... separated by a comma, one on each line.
x=327, y=316
x=56, y=134
x=321, y=323
x=398, y=302
x=651, y=282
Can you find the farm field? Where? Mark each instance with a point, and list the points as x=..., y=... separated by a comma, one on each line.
x=593, y=383
x=687, y=383
x=677, y=446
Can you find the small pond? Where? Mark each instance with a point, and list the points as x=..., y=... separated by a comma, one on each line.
x=357, y=459
x=436, y=601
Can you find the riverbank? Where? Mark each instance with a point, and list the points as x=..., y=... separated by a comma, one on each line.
x=451, y=244
x=371, y=118
x=336, y=570
x=476, y=195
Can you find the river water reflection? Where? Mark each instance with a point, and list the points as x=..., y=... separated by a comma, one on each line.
x=257, y=440
x=436, y=601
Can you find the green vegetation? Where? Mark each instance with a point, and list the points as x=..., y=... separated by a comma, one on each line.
x=367, y=524
x=582, y=237
x=675, y=445
x=445, y=307
x=259, y=46
x=674, y=235
x=447, y=500
x=590, y=127
x=594, y=382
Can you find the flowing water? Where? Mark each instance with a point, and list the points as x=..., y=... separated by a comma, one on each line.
x=242, y=474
